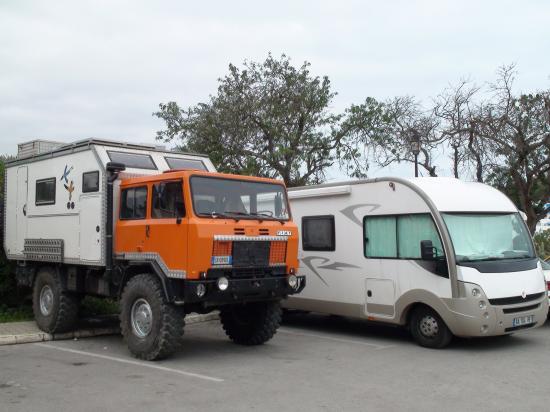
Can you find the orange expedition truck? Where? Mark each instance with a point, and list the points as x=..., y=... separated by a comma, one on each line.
x=170, y=242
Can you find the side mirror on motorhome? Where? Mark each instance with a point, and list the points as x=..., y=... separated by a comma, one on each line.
x=427, y=250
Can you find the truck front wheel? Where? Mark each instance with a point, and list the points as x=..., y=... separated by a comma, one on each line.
x=55, y=310
x=151, y=327
x=251, y=323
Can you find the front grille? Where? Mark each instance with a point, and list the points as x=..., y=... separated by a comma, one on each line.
x=250, y=253
x=514, y=328
x=521, y=309
x=515, y=299
x=239, y=231
x=245, y=273
x=277, y=253
x=264, y=232
x=222, y=248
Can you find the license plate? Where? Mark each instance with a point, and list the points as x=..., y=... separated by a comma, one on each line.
x=523, y=320
x=222, y=260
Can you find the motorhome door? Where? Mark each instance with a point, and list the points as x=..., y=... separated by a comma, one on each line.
x=21, y=208
x=90, y=227
x=380, y=297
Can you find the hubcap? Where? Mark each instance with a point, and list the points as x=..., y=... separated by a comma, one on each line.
x=429, y=326
x=46, y=300
x=141, y=318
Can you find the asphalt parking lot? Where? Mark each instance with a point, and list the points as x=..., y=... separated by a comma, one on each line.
x=314, y=363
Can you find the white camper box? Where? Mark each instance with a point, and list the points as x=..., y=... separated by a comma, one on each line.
x=45, y=195
x=360, y=250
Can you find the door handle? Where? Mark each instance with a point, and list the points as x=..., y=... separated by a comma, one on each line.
x=369, y=293
x=147, y=230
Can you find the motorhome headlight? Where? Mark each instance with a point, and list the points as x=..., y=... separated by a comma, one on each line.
x=482, y=305
x=201, y=290
x=476, y=292
x=223, y=283
x=292, y=281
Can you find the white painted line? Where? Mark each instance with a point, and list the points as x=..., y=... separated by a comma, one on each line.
x=131, y=362
x=354, y=342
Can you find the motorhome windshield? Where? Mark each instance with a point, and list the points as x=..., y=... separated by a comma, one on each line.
x=485, y=237
x=238, y=199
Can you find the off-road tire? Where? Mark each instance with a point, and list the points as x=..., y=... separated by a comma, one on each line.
x=441, y=338
x=64, y=307
x=166, y=335
x=251, y=323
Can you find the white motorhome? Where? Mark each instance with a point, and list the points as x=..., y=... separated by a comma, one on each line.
x=441, y=256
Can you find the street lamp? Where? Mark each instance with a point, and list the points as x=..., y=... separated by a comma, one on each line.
x=415, y=149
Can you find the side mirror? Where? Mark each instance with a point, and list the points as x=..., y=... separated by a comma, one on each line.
x=427, y=250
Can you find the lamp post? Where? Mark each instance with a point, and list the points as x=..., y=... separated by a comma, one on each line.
x=415, y=149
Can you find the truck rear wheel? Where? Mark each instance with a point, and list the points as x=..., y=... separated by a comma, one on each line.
x=151, y=327
x=55, y=310
x=428, y=329
x=251, y=323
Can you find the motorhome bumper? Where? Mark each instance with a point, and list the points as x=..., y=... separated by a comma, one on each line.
x=235, y=290
x=492, y=320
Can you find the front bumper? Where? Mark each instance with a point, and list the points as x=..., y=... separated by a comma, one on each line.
x=240, y=290
x=467, y=319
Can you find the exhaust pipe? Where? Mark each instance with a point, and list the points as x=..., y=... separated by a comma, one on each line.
x=113, y=170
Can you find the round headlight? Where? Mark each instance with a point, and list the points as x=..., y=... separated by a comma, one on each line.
x=201, y=290
x=292, y=281
x=223, y=283
x=476, y=292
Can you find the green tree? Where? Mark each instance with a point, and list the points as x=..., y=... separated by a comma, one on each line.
x=267, y=119
x=7, y=280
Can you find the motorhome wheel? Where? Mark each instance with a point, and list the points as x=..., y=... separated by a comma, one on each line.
x=428, y=329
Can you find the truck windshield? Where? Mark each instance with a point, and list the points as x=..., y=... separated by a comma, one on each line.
x=238, y=199
x=484, y=237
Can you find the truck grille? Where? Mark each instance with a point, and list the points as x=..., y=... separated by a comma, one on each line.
x=253, y=253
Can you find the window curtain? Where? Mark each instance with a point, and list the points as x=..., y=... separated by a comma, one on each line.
x=411, y=231
x=381, y=239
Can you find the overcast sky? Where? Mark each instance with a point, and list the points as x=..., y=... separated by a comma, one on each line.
x=76, y=69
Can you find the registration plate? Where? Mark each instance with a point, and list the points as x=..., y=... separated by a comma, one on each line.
x=523, y=320
x=222, y=260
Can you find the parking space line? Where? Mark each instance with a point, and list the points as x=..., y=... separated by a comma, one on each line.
x=131, y=362
x=355, y=342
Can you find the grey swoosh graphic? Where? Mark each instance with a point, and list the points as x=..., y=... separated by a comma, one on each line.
x=307, y=260
x=349, y=211
x=337, y=266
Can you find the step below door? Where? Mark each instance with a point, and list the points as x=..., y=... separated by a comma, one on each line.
x=380, y=297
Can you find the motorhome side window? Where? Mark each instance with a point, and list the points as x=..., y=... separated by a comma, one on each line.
x=179, y=163
x=90, y=182
x=318, y=233
x=133, y=203
x=45, y=192
x=135, y=160
x=167, y=201
x=399, y=236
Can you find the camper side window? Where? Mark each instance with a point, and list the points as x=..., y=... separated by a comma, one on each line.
x=90, y=182
x=318, y=233
x=133, y=203
x=45, y=192
x=167, y=201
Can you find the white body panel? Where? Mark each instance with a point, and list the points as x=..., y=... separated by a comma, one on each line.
x=345, y=282
x=77, y=218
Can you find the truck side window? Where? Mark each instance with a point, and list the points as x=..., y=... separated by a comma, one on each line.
x=318, y=233
x=45, y=192
x=133, y=203
x=90, y=182
x=167, y=201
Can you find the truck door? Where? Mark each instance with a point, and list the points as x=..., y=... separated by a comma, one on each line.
x=167, y=228
x=21, y=208
x=90, y=227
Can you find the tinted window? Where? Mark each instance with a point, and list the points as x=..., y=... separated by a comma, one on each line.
x=318, y=233
x=45, y=192
x=90, y=182
x=133, y=203
x=177, y=163
x=167, y=200
x=135, y=160
x=399, y=236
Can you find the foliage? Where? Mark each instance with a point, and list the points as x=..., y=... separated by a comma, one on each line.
x=267, y=119
x=15, y=314
x=8, y=288
x=542, y=244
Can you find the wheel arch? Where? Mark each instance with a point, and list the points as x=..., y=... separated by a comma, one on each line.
x=133, y=268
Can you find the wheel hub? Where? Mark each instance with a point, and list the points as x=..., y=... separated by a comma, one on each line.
x=141, y=318
x=428, y=326
x=46, y=300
